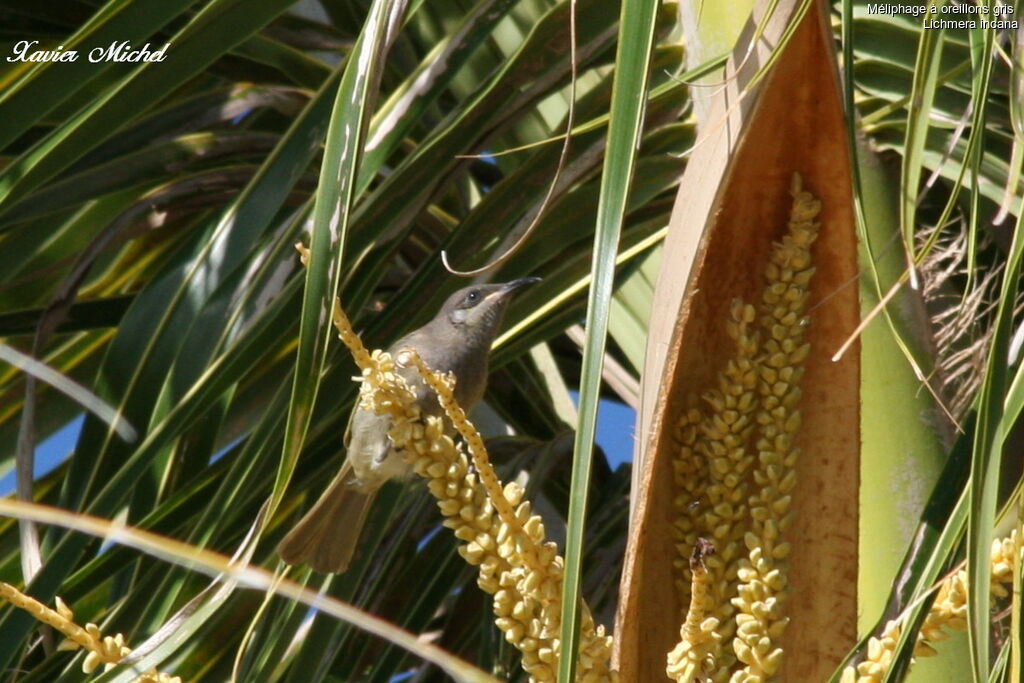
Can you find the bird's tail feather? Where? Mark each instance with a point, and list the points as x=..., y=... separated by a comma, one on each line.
x=326, y=536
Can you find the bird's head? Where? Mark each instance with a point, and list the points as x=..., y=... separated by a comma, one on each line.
x=476, y=311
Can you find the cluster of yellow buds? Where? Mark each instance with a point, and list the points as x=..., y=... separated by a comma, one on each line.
x=735, y=472
x=695, y=658
x=782, y=317
x=948, y=611
x=711, y=478
x=501, y=535
x=105, y=650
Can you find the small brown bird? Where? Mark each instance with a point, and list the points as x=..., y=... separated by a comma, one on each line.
x=457, y=340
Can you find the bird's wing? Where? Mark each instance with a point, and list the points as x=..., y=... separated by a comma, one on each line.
x=347, y=438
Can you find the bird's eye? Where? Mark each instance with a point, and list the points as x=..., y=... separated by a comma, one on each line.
x=473, y=297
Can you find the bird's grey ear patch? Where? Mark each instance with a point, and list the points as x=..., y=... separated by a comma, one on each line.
x=459, y=315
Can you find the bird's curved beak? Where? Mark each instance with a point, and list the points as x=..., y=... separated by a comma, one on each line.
x=519, y=284
x=516, y=285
